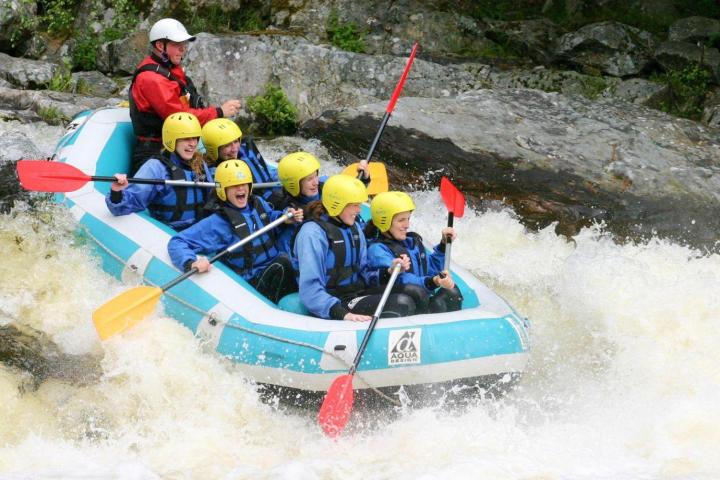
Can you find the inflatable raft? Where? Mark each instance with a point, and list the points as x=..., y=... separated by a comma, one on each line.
x=484, y=343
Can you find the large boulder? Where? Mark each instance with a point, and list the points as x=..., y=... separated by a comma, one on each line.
x=60, y=106
x=389, y=26
x=315, y=77
x=26, y=73
x=120, y=57
x=612, y=48
x=553, y=158
x=532, y=39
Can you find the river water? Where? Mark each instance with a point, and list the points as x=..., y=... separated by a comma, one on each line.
x=623, y=383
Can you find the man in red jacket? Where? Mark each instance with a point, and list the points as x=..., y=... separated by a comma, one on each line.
x=160, y=88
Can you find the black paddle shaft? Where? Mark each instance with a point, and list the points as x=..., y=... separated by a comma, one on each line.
x=375, y=318
x=375, y=141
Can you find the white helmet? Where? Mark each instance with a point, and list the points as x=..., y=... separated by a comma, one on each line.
x=169, y=29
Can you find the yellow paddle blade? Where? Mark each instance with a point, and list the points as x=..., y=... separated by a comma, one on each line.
x=378, y=176
x=125, y=310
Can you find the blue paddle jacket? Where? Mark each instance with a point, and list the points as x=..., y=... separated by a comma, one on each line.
x=177, y=207
x=382, y=250
x=320, y=281
x=261, y=171
x=216, y=233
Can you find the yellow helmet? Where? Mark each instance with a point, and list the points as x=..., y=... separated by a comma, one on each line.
x=179, y=125
x=386, y=205
x=219, y=132
x=339, y=190
x=230, y=173
x=294, y=167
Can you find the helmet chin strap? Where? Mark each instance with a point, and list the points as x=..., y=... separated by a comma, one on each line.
x=164, y=55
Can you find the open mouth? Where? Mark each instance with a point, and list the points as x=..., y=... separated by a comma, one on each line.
x=241, y=196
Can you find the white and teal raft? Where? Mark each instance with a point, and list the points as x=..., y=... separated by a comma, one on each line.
x=483, y=344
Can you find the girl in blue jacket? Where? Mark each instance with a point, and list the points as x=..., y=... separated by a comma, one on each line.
x=237, y=214
x=223, y=141
x=335, y=280
x=178, y=207
x=388, y=234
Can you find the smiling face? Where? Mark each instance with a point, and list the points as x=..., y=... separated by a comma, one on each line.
x=185, y=147
x=238, y=195
x=309, y=186
x=400, y=225
x=175, y=50
x=229, y=151
x=349, y=213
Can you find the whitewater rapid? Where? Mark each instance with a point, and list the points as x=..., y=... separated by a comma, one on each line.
x=623, y=382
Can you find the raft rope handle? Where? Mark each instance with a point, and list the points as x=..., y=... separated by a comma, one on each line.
x=251, y=331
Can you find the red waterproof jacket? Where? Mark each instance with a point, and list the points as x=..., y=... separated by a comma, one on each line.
x=158, y=91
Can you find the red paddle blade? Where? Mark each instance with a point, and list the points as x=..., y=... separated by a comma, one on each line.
x=44, y=176
x=453, y=198
x=336, y=407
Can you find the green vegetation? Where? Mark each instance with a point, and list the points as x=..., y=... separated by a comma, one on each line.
x=84, y=55
x=273, y=111
x=216, y=19
x=61, y=80
x=51, y=115
x=687, y=89
x=346, y=36
x=58, y=16
x=592, y=87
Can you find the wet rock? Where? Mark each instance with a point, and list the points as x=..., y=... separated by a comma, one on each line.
x=553, y=158
x=32, y=351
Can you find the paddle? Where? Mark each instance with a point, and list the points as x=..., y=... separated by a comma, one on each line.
x=378, y=176
x=45, y=176
x=58, y=177
x=337, y=405
x=382, y=181
x=128, y=308
x=455, y=204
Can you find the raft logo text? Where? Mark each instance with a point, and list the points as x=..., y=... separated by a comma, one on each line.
x=404, y=347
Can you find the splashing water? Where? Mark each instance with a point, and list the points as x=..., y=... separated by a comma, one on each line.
x=623, y=380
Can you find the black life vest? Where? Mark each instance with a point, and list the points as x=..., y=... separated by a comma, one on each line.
x=262, y=248
x=250, y=154
x=149, y=124
x=345, y=242
x=416, y=252
x=172, y=208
